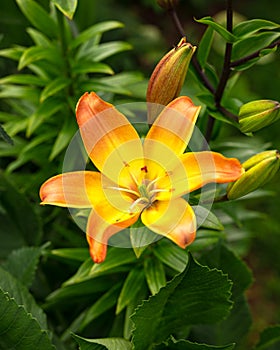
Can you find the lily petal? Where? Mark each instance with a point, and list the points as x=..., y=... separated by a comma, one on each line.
x=173, y=219
x=99, y=230
x=79, y=189
x=197, y=169
x=173, y=128
x=107, y=133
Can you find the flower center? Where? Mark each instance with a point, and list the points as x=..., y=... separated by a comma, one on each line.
x=146, y=195
x=143, y=194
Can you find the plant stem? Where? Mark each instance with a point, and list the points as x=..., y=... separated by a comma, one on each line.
x=64, y=50
x=224, y=75
x=222, y=198
x=172, y=12
x=253, y=55
x=206, y=82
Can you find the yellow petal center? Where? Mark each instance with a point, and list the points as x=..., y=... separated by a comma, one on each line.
x=140, y=189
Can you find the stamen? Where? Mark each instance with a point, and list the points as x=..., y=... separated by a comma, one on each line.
x=130, y=173
x=155, y=180
x=162, y=190
x=141, y=199
x=122, y=189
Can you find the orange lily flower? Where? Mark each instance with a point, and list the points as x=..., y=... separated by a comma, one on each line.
x=138, y=180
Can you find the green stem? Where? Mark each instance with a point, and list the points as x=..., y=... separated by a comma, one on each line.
x=253, y=55
x=172, y=12
x=219, y=199
x=224, y=75
x=64, y=50
x=206, y=82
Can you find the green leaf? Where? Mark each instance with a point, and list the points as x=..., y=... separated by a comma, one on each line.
x=21, y=92
x=155, y=274
x=247, y=28
x=18, y=329
x=45, y=110
x=204, y=46
x=220, y=116
x=67, y=7
x=101, y=52
x=252, y=44
x=229, y=37
x=269, y=339
x=182, y=344
x=75, y=292
x=116, y=258
x=53, y=87
x=26, y=79
x=141, y=237
x=130, y=288
x=22, y=214
x=171, y=255
x=38, y=17
x=222, y=258
x=103, y=344
x=119, y=83
x=63, y=139
x=205, y=238
x=104, y=303
x=5, y=136
x=207, y=219
x=235, y=327
x=196, y=296
x=22, y=264
x=21, y=295
x=33, y=151
x=13, y=53
x=37, y=53
x=92, y=31
x=39, y=38
x=82, y=67
x=78, y=254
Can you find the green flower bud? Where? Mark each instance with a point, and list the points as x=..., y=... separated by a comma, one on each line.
x=167, y=4
x=168, y=77
x=256, y=115
x=259, y=170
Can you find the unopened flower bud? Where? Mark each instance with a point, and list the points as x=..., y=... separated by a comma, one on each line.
x=167, y=4
x=168, y=77
x=256, y=115
x=259, y=170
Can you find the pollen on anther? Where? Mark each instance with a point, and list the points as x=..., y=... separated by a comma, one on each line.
x=144, y=168
x=126, y=164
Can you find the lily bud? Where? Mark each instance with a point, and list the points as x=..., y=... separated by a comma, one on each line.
x=256, y=115
x=168, y=77
x=259, y=170
x=167, y=4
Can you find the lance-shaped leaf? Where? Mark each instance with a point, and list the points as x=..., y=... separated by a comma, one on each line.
x=67, y=7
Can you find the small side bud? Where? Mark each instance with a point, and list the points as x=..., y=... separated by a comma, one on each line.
x=167, y=4
x=256, y=115
x=259, y=170
x=168, y=77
